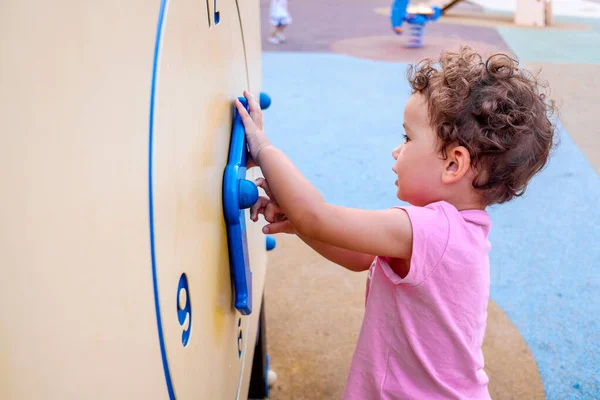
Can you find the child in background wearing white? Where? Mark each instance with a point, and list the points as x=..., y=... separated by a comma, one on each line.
x=280, y=18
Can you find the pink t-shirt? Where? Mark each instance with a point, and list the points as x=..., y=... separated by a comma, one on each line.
x=421, y=336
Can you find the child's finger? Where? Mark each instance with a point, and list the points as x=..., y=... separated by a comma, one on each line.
x=262, y=183
x=273, y=212
x=246, y=119
x=253, y=103
x=279, y=227
x=255, y=110
x=258, y=208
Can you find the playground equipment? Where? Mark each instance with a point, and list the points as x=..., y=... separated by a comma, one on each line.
x=114, y=248
x=415, y=17
x=534, y=13
x=528, y=12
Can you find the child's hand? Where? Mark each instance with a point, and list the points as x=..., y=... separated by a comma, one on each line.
x=268, y=207
x=253, y=125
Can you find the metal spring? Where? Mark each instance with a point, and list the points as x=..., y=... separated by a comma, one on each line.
x=415, y=35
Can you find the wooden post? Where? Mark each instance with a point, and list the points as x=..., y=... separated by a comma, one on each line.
x=533, y=13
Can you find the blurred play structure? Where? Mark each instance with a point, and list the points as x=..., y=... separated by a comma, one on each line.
x=534, y=13
x=415, y=17
x=129, y=271
x=528, y=13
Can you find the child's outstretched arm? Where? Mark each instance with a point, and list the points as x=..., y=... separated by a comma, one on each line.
x=384, y=233
x=279, y=223
x=349, y=259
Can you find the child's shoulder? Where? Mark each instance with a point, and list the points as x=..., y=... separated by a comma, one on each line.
x=434, y=215
x=442, y=234
x=441, y=224
x=441, y=213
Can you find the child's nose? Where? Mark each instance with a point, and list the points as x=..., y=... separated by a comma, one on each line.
x=395, y=153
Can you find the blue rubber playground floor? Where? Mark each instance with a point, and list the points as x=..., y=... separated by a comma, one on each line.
x=339, y=117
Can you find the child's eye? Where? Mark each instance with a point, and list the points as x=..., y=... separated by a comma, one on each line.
x=406, y=138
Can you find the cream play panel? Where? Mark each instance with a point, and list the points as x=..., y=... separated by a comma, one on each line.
x=78, y=316
x=191, y=143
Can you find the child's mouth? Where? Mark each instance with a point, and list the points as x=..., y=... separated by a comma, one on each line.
x=396, y=183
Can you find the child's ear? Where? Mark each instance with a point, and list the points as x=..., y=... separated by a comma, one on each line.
x=457, y=164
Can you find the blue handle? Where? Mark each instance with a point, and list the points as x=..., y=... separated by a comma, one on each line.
x=239, y=194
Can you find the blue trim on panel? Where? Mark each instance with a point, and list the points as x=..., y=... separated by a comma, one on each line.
x=163, y=353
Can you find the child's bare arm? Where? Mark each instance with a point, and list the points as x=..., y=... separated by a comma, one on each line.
x=352, y=260
x=278, y=223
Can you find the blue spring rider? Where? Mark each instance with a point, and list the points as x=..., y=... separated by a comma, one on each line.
x=415, y=17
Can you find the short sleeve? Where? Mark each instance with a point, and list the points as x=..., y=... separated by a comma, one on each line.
x=431, y=232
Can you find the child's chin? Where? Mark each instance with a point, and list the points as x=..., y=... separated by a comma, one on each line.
x=399, y=195
x=403, y=197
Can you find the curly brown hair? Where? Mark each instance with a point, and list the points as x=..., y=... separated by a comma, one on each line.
x=493, y=108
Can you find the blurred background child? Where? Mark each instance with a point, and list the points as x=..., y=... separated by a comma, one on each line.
x=279, y=16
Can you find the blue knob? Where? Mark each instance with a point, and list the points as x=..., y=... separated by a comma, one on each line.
x=248, y=193
x=271, y=242
x=264, y=100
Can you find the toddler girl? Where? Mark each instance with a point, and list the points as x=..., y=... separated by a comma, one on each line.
x=475, y=132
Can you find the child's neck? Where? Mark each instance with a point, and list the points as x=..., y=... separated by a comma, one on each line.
x=469, y=206
x=466, y=201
